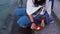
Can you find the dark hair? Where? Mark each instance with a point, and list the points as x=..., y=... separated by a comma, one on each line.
x=39, y=2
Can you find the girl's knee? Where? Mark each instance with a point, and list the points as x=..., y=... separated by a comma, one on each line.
x=23, y=21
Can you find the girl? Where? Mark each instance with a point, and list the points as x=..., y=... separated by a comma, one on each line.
x=36, y=7
x=35, y=11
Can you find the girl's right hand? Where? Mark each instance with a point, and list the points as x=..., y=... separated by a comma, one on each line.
x=33, y=26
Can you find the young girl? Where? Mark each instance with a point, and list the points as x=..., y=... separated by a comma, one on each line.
x=34, y=10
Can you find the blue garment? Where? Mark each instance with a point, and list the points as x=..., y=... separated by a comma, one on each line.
x=42, y=16
x=47, y=17
x=20, y=11
x=24, y=21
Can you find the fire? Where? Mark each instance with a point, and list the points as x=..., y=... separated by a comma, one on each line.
x=38, y=27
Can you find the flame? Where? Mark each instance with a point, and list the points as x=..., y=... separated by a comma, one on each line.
x=38, y=28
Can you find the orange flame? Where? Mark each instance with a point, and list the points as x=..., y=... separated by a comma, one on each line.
x=38, y=27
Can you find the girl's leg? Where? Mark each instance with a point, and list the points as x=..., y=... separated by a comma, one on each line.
x=47, y=18
x=20, y=11
x=24, y=21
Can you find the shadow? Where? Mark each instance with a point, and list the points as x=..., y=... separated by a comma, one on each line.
x=16, y=29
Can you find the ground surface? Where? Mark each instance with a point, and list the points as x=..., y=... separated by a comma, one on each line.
x=8, y=20
x=49, y=29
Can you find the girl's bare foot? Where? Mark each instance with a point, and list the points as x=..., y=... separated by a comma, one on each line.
x=42, y=23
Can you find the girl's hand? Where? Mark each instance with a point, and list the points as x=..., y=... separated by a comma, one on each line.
x=33, y=26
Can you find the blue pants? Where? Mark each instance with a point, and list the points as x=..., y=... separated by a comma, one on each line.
x=48, y=20
x=20, y=11
x=24, y=21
